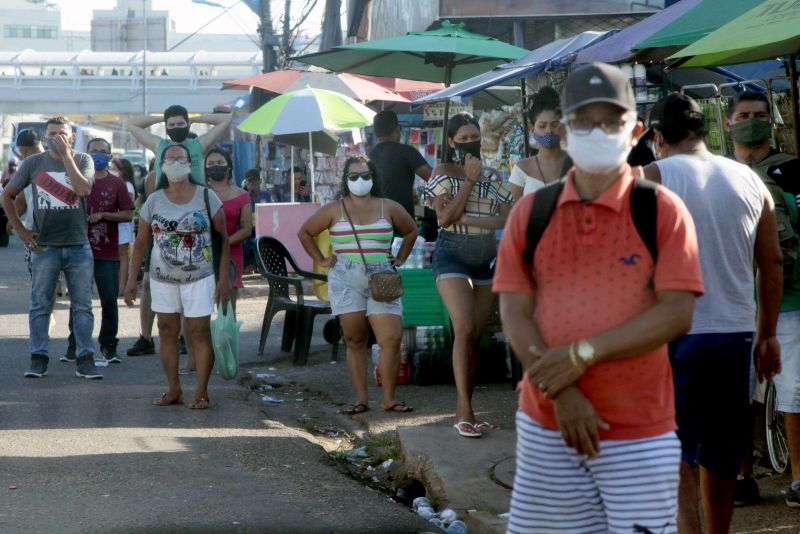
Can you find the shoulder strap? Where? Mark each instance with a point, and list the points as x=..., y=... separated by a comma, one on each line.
x=644, y=212
x=355, y=234
x=215, y=244
x=544, y=204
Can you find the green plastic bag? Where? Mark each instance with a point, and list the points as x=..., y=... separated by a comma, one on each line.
x=225, y=340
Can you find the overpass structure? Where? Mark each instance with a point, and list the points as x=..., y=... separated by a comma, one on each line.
x=113, y=82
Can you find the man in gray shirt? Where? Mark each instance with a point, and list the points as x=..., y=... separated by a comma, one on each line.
x=61, y=179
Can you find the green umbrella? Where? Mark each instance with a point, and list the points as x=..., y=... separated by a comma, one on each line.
x=695, y=24
x=767, y=31
x=307, y=111
x=448, y=54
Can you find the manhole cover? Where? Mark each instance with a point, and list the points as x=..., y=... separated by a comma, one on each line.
x=503, y=473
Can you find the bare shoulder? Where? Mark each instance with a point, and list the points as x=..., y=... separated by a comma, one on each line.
x=448, y=169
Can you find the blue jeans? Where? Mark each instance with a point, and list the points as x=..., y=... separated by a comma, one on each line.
x=77, y=264
x=106, y=278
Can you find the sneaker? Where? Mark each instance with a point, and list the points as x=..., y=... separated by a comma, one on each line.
x=70, y=356
x=181, y=345
x=110, y=354
x=142, y=347
x=793, y=497
x=86, y=368
x=746, y=491
x=38, y=366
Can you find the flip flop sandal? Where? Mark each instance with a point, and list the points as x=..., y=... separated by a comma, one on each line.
x=403, y=408
x=460, y=428
x=354, y=409
x=488, y=425
x=197, y=405
x=163, y=401
x=186, y=371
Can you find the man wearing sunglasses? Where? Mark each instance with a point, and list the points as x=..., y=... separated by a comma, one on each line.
x=590, y=317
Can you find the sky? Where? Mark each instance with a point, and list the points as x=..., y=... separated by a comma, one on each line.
x=77, y=15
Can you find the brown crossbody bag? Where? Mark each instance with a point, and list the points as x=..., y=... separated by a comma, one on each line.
x=384, y=286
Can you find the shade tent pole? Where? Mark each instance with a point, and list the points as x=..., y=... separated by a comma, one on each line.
x=291, y=171
x=448, y=74
x=524, y=89
x=311, y=164
x=792, y=67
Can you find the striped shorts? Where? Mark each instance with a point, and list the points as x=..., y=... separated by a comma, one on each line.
x=630, y=487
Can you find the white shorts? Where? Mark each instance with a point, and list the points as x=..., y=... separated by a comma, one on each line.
x=195, y=299
x=125, y=233
x=787, y=383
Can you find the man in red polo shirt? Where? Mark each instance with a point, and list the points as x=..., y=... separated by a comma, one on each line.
x=590, y=319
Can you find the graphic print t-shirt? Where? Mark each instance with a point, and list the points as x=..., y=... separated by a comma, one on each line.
x=59, y=213
x=181, y=236
x=109, y=195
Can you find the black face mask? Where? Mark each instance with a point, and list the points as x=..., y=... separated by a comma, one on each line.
x=462, y=149
x=217, y=172
x=178, y=135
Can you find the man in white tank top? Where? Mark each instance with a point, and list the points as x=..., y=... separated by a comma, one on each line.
x=735, y=219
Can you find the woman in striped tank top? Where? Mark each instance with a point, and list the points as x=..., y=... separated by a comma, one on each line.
x=375, y=220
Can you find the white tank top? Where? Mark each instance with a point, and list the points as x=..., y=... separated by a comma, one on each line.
x=726, y=200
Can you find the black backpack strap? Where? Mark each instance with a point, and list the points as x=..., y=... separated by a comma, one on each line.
x=644, y=212
x=544, y=204
x=215, y=241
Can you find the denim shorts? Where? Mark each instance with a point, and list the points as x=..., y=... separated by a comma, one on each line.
x=787, y=382
x=712, y=394
x=469, y=257
x=348, y=289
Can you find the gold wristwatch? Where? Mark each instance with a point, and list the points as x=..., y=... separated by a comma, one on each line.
x=585, y=352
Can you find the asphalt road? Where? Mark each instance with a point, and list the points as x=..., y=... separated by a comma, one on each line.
x=96, y=456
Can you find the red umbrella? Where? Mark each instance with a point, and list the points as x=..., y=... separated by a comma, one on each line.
x=282, y=81
x=411, y=89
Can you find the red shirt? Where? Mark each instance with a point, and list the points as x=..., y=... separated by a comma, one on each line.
x=592, y=273
x=110, y=195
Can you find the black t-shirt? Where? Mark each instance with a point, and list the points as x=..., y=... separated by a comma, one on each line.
x=396, y=164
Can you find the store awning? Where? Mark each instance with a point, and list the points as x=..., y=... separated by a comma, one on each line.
x=620, y=47
x=549, y=56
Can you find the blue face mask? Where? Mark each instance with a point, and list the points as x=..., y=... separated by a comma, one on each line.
x=550, y=140
x=100, y=161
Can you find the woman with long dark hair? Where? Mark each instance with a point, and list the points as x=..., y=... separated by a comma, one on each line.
x=178, y=217
x=124, y=169
x=470, y=209
x=361, y=226
x=545, y=132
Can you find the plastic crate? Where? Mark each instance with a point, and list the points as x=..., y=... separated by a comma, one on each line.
x=422, y=305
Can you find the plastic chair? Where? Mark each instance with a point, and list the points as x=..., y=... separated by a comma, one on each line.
x=298, y=325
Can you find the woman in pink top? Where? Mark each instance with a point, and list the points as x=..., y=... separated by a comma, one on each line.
x=235, y=204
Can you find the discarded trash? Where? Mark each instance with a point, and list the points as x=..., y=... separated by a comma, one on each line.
x=456, y=527
x=265, y=387
x=271, y=369
x=426, y=512
x=12, y=487
x=448, y=515
x=420, y=501
x=504, y=516
x=387, y=464
x=436, y=522
x=360, y=452
x=266, y=375
x=271, y=400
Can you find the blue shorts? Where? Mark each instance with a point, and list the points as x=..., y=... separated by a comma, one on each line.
x=469, y=257
x=712, y=398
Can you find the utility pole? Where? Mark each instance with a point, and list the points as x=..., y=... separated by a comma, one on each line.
x=267, y=37
x=286, y=37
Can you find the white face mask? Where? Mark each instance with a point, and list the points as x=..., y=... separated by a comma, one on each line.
x=176, y=172
x=360, y=187
x=599, y=152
